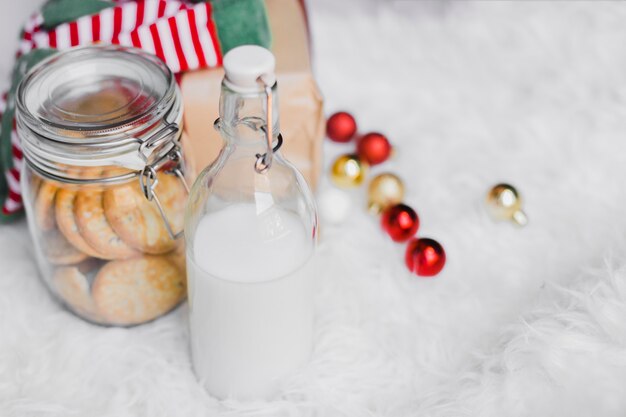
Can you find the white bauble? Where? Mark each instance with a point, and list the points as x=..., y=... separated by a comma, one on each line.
x=334, y=205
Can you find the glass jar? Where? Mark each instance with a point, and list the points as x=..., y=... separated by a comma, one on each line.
x=103, y=182
x=251, y=233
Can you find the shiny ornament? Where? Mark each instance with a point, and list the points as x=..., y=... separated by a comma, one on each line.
x=348, y=171
x=505, y=203
x=384, y=190
x=400, y=222
x=374, y=148
x=341, y=127
x=425, y=257
x=334, y=206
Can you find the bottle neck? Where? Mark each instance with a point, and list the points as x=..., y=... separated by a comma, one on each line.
x=243, y=116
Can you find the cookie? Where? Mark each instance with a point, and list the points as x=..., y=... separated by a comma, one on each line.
x=95, y=229
x=59, y=251
x=44, y=206
x=137, y=290
x=138, y=221
x=106, y=103
x=173, y=197
x=178, y=257
x=71, y=284
x=64, y=214
x=35, y=184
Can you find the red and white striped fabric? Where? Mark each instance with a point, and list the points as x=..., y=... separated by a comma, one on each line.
x=182, y=34
x=13, y=200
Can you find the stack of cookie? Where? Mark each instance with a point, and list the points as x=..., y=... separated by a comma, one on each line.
x=107, y=249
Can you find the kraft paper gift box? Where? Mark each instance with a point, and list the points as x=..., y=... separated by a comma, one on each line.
x=300, y=102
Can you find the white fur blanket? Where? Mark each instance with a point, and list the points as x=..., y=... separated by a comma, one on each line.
x=528, y=322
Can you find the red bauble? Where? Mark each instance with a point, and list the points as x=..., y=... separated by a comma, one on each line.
x=341, y=127
x=400, y=222
x=374, y=148
x=425, y=257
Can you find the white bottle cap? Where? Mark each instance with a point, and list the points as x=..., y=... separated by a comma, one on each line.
x=245, y=64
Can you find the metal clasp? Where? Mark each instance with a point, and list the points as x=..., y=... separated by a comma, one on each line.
x=148, y=181
x=157, y=139
x=260, y=158
x=264, y=161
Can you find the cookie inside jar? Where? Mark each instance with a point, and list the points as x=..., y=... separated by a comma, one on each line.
x=106, y=250
x=103, y=182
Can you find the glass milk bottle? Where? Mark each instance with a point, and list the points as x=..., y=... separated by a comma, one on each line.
x=251, y=230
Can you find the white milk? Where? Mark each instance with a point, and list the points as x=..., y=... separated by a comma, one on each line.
x=250, y=297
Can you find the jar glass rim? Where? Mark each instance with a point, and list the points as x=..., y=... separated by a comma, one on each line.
x=94, y=93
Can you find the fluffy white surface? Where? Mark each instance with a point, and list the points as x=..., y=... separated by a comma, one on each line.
x=521, y=322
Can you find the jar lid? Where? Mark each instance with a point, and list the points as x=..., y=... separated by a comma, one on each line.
x=98, y=105
x=95, y=91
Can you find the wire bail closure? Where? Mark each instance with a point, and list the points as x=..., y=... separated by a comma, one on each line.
x=264, y=161
x=148, y=181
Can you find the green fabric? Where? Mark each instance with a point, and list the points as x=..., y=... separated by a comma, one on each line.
x=56, y=12
x=8, y=218
x=241, y=22
x=4, y=191
x=21, y=67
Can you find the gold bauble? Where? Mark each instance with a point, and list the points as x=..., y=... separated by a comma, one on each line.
x=505, y=203
x=348, y=171
x=385, y=190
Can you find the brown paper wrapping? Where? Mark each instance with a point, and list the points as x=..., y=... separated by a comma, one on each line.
x=300, y=102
